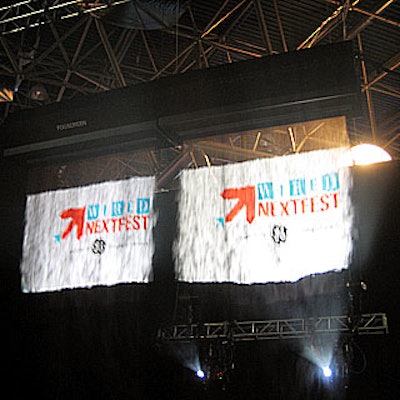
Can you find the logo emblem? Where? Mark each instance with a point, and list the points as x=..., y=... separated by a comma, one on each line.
x=77, y=218
x=98, y=246
x=246, y=198
x=279, y=234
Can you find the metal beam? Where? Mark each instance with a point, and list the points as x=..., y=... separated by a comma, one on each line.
x=393, y=139
x=173, y=169
x=233, y=49
x=74, y=59
x=307, y=136
x=228, y=152
x=294, y=328
x=126, y=43
x=110, y=53
x=330, y=23
x=10, y=55
x=367, y=92
x=207, y=52
x=281, y=31
x=227, y=15
x=390, y=92
x=214, y=18
x=263, y=25
x=148, y=50
x=377, y=17
x=59, y=43
x=92, y=81
x=356, y=30
x=390, y=65
x=173, y=61
x=313, y=38
x=50, y=49
x=221, y=44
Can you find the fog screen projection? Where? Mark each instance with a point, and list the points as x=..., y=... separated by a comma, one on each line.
x=94, y=235
x=267, y=220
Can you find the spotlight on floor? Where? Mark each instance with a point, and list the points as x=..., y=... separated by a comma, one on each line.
x=327, y=372
x=200, y=374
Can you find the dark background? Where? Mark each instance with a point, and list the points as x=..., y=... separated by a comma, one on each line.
x=100, y=343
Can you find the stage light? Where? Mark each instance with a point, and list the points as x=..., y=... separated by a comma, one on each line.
x=219, y=375
x=200, y=374
x=327, y=372
x=6, y=95
x=365, y=154
x=39, y=93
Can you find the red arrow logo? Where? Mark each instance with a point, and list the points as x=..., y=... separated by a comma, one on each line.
x=246, y=198
x=77, y=216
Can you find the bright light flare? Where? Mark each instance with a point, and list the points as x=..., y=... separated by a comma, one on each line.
x=365, y=154
x=200, y=374
x=320, y=353
x=327, y=372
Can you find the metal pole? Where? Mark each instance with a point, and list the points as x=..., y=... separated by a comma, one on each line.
x=110, y=53
x=263, y=25
x=281, y=31
x=74, y=58
x=367, y=91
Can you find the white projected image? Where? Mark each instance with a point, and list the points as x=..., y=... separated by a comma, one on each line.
x=267, y=220
x=94, y=235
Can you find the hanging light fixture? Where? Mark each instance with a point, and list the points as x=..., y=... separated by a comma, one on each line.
x=39, y=93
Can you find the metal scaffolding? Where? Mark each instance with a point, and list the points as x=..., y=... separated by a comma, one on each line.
x=67, y=47
x=293, y=328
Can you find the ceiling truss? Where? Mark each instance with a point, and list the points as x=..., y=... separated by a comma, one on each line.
x=66, y=47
